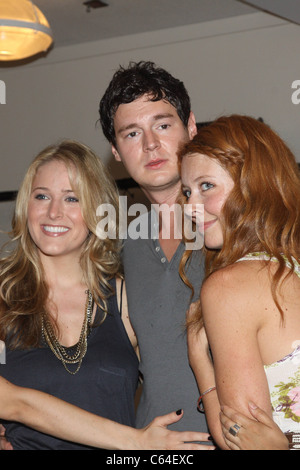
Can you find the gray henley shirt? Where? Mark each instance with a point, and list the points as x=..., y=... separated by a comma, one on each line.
x=157, y=302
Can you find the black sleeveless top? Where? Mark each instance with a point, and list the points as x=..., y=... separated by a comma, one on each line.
x=104, y=385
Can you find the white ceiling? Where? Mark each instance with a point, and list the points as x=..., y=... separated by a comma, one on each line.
x=71, y=23
x=287, y=9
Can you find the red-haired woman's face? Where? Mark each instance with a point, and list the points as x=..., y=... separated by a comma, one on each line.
x=205, y=182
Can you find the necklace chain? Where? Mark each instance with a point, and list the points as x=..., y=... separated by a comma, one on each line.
x=60, y=351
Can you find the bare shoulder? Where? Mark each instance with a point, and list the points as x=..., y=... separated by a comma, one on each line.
x=240, y=288
x=237, y=275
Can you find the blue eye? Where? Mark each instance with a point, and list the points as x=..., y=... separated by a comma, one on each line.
x=40, y=196
x=72, y=199
x=205, y=186
x=187, y=193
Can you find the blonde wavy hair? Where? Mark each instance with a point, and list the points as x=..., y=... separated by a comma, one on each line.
x=23, y=290
x=262, y=211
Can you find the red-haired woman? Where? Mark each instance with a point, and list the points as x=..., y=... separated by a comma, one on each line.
x=248, y=181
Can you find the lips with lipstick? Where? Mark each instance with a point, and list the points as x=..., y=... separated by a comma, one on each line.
x=208, y=224
x=54, y=230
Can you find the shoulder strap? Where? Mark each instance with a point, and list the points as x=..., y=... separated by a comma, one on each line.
x=266, y=257
x=121, y=296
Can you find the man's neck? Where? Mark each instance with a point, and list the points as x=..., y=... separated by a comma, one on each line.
x=167, y=195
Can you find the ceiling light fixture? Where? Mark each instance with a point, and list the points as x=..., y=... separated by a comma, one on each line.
x=24, y=30
x=94, y=4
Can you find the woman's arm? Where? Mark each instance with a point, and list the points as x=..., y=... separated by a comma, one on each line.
x=50, y=415
x=232, y=323
x=202, y=365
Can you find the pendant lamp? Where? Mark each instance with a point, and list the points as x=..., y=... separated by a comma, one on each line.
x=24, y=30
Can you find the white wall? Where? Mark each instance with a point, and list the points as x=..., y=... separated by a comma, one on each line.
x=244, y=64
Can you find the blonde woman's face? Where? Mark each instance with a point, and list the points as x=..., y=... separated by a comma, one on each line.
x=55, y=220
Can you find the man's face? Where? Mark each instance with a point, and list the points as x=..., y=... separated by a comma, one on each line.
x=148, y=134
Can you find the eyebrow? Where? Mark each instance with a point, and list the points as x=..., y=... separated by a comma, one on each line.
x=155, y=118
x=44, y=188
x=198, y=178
x=202, y=177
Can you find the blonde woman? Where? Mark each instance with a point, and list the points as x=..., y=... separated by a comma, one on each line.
x=63, y=316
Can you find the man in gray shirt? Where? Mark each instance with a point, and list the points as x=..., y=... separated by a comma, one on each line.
x=145, y=114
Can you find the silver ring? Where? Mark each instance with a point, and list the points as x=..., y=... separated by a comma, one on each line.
x=234, y=429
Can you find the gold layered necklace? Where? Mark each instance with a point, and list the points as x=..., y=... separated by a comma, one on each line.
x=80, y=348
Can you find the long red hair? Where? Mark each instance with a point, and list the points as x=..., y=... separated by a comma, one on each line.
x=262, y=211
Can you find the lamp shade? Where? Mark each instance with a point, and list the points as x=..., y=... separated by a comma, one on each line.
x=24, y=30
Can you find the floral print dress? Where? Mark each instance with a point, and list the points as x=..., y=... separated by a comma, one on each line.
x=284, y=385
x=284, y=375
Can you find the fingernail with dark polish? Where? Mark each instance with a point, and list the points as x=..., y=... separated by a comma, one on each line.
x=178, y=412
